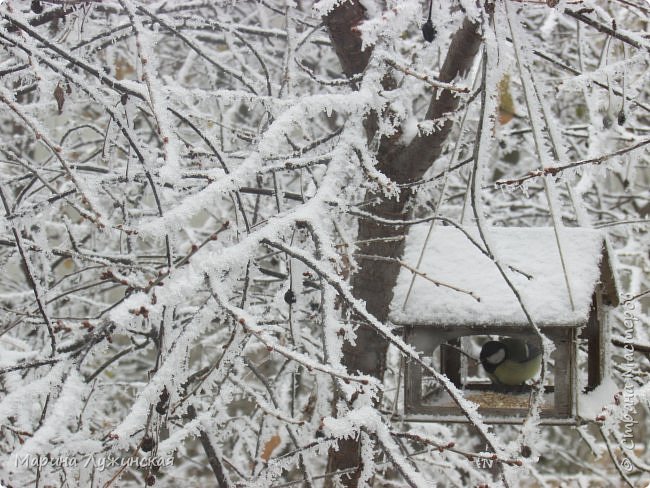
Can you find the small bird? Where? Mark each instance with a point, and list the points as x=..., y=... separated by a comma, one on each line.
x=510, y=362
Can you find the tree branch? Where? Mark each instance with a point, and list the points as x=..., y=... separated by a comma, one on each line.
x=553, y=170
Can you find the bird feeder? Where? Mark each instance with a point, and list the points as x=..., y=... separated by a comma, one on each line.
x=459, y=300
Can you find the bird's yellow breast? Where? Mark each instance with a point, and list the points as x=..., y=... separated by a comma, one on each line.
x=512, y=373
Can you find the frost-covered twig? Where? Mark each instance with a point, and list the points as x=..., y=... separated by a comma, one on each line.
x=449, y=446
x=292, y=435
x=554, y=170
x=272, y=345
x=28, y=365
x=31, y=277
x=611, y=31
x=612, y=456
x=426, y=78
x=419, y=273
x=214, y=458
x=367, y=215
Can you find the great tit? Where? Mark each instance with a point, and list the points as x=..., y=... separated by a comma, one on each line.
x=509, y=361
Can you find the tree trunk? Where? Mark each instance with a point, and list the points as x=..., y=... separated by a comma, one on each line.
x=374, y=281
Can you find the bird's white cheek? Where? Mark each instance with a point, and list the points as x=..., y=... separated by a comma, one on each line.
x=497, y=357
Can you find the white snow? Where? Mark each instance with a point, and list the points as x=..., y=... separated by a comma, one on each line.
x=451, y=258
x=591, y=404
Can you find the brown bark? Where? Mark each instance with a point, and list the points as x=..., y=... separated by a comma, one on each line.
x=374, y=280
x=342, y=25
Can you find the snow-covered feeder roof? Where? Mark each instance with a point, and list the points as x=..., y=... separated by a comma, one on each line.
x=451, y=258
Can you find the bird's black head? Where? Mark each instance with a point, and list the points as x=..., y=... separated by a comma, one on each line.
x=493, y=353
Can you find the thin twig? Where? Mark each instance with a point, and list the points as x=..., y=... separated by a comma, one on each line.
x=426, y=78
x=613, y=32
x=419, y=273
x=29, y=273
x=552, y=171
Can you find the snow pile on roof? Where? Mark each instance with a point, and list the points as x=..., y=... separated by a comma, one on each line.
x=451, y=258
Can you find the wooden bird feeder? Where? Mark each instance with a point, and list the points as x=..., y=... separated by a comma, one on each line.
x=463, y=301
